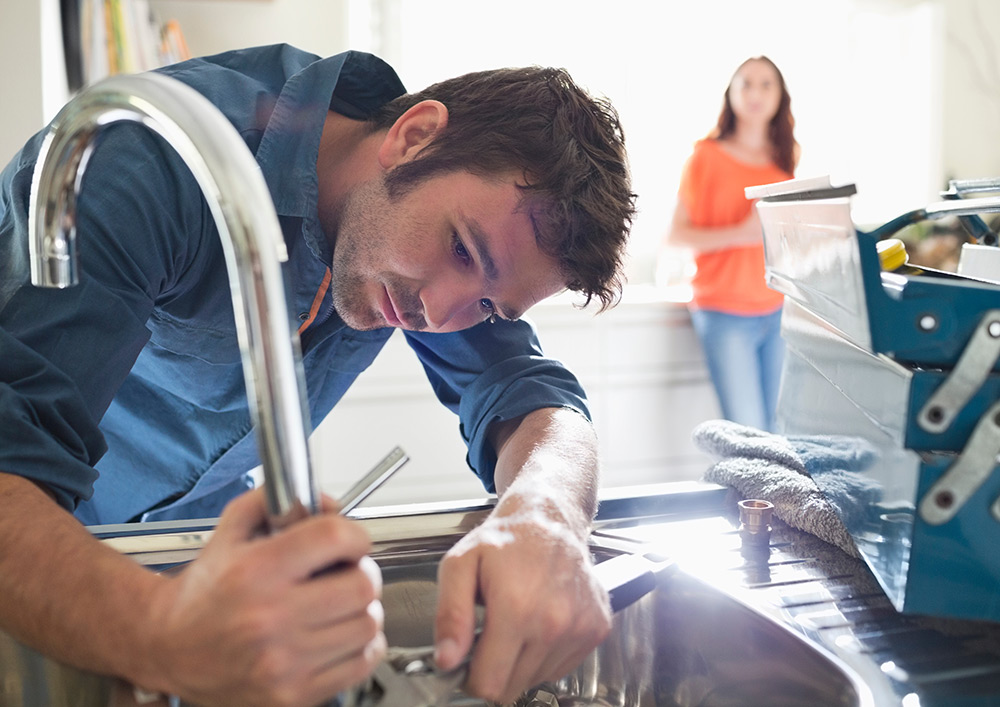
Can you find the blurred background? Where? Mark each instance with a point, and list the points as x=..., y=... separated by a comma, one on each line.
x=895, y=96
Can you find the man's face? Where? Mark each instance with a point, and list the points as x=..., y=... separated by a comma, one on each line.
x=443, y=257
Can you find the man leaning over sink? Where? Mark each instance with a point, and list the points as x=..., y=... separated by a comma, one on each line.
x=446, y=213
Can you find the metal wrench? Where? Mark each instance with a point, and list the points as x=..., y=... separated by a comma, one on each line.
x=408, y=677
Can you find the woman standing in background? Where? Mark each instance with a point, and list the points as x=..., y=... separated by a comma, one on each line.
x=734, y=313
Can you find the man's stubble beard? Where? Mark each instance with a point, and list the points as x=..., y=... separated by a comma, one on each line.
x=360, y=247
x=353, y=247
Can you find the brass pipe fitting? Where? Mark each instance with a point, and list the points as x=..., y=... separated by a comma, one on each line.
x=755, y=521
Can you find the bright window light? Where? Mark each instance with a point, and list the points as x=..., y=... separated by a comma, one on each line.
x=862, y=74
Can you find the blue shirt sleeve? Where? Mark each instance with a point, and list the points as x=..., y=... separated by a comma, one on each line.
x=493, y=373
x=64, y=353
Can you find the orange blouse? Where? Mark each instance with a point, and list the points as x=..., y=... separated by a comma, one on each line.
x=732, y=279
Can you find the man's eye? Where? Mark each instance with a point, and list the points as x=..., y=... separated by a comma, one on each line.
x=489, y=309
x=460, y=250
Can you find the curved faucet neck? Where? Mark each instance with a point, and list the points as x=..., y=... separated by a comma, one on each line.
x=254, y=247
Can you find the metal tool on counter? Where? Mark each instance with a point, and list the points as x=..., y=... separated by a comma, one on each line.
x=408, y=677
x=178, y=547
x=379, y=474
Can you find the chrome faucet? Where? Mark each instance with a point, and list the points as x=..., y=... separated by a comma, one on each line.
x=251, y=237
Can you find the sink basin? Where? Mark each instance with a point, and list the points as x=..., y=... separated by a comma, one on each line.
x=714, y=651
x=686, y=643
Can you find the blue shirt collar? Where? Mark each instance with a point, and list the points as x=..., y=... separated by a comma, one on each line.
x=354, y=84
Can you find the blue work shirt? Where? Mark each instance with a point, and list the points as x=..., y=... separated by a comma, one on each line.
x=125, y=395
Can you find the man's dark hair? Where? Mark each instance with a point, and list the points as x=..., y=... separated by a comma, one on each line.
x=569, y=147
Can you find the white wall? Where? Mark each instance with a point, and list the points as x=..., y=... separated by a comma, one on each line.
x=864, y=77
x=675, y=56
x=33, y=81
x=640, y=363
x=212, y=26
x=971, y=90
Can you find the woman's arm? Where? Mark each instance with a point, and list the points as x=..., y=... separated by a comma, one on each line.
x=683, y=234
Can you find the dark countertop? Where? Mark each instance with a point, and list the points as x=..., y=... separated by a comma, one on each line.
x=834, y=601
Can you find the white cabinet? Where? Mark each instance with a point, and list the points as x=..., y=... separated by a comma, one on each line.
x=641, y=364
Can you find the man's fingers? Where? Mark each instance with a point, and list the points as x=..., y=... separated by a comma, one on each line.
x=299, y=550
x=497, y=652
x=328, y=504
x=527, y=671
x=540, y=664
x=243, y=518
x=333, y=676
x=313, y=544
x=509, y=661
x=332, y=596
x=455, y=622
x=338, y=641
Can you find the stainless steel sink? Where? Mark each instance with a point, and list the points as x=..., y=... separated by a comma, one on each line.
x=686, y=643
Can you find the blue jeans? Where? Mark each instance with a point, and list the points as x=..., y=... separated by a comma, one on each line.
x=744, y=357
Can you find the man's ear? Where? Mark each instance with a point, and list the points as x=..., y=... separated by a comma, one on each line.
x=411, y=132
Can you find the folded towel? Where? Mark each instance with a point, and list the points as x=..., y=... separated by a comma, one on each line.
x=782, y=470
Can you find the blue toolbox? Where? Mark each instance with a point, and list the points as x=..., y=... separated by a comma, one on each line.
x=907, y=364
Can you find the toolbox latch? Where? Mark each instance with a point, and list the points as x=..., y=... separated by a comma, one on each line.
x=949, y=493
x=970, y=372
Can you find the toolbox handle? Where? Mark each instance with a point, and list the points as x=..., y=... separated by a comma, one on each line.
x=963, y=207
x=939, y=209
x=958, y=187
x=974, y=224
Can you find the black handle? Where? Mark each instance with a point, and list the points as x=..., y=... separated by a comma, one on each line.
x=629, y=577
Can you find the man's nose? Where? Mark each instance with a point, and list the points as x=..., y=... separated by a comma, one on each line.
x=445, y=301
